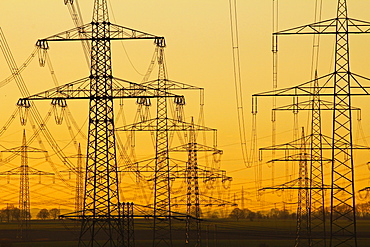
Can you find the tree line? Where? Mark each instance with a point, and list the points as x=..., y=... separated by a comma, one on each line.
x=362, y=212
x=11, y=213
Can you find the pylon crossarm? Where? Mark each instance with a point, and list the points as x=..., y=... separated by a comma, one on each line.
x=295, y=185
x=298, y=157
x=307, y=89
x=199, y=148
x=307, y=106
x=203, y=200
x=80, y=89
x=19, y=150
x=85, y=32
x=171, y=85
x=173, y=125
x=145, y=91
x=326, y=144
x=328, y=27
x=31, y=171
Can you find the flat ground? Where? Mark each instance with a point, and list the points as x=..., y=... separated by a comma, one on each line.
x=220, y=232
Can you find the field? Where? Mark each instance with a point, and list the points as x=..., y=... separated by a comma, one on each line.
x=220, y=232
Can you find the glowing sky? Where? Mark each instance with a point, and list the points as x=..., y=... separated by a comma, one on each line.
x=198, y=53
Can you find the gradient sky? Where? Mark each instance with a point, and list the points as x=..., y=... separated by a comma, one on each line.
x=198, y=53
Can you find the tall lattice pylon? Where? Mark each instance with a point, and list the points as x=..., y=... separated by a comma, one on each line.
x=302, y=185
x=101, y=216
x=162, y=190
x=317, y=215
x=161, y=125
x=24, y=189
x=303, y=237
x=341, y=85
x=23, y=171
x=317, y=143
x=192, y=195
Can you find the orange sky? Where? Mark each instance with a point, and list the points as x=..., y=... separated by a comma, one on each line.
x=198, y=53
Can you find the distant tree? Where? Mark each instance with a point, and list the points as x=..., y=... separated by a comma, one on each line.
x=10, y=213
x=54, y=213
x=16, y=213
x=259, y=215
x=237, y=214
x=252, y=215
x=43, y=214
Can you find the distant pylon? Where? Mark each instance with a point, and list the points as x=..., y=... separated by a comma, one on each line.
x=303, y=236
x=23, y=171
x=317, y=214
x=192, y=195
x=161, y=126
x=302, y=185
x=24, y=190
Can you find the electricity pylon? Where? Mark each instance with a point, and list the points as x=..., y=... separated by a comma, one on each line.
x=23, y=171
x=79, y=172
x=102, y=211
x=161, y=126
x=317, y=142
x=192, y=173
x=303, y=185
x=341, y=85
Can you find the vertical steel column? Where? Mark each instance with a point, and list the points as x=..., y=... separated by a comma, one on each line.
x=343, y=212
x=24, y=193
x=162, y=190
x=303, y=230
x=101, y=200
x=317, y=200
x=192, y=195
x=79, y=183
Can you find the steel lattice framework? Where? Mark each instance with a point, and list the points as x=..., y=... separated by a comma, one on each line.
x=341, y=85
x=102, y=213
x=316, y=197
x=191, y=172
x=162, y=125
x=192, y=195
x=23, y=171
x=162, y=234
x=303, y=185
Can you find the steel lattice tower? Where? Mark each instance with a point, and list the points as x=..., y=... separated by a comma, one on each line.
x=342, y=164
x=79, y=182
x=101, y=200
x=161, y=126
x=162, y=190
x=345, y=84
x=192, y=195
x=23, y=171
x=102, y=212
x=316, y=196
x=303, y=236
x=302, y=185
x=24, y=187
x=316, y=214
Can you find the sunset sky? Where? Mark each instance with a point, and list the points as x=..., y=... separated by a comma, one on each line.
x=199, y=53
